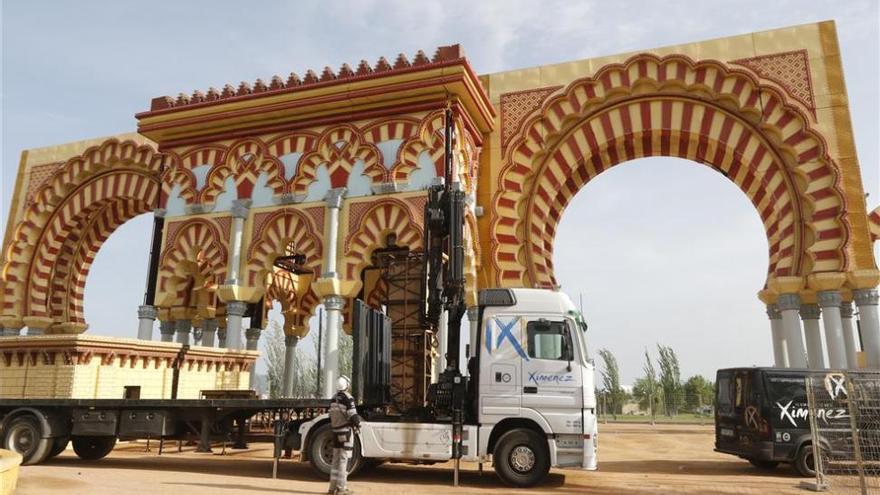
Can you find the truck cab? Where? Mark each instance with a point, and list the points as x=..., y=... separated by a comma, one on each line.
x=529, y=394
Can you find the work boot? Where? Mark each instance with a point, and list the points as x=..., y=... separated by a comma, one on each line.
x=344, y=491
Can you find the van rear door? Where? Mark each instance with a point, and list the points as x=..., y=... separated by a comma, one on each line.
x=725, y=414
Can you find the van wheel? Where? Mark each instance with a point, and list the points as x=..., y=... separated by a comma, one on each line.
x=321, y=452
x=24, y=436
x=93, y=448
x=521, y=458
x=58, y=446
x=764, y=465
x=804, y=462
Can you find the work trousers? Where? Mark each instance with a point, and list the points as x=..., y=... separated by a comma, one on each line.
x=343, y=445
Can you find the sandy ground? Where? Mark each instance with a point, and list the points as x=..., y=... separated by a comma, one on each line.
x=632, y=459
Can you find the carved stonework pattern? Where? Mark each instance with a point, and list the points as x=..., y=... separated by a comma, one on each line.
x=171, y=229
x=317, y=215
x=357, y=213
x=791, y=70
x=516, y=106
x=225, y=225
x=39, y=175
x=259, y=223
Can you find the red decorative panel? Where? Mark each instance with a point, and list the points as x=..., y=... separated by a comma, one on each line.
x=317, y=215
x=516, y=106
x=791, y=70
x=38, y=176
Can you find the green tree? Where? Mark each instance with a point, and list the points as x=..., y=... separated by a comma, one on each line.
x=304, y=366
x=615, y=395
x=646, y=389
x=698, y=392
x=670, y=379
x=273, y=340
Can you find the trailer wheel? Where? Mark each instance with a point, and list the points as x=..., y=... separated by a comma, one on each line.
x=24, y=435
x=58, y=446
x=521, y=458
x=321, y=452
x=93, y=448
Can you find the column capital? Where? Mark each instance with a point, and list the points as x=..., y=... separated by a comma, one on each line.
x=334, y=197
x=241, y=207
x=846, y=309
x=160, y=212
x=810, y=312
x=252, y=333
x=787, y=302
x=829, y=298
x=334, y=302
x=291, y=340
x=865, y=297
x=236, y=308
x=166, y=327
x=183, y=326
x=773, y=312
x=148, y=312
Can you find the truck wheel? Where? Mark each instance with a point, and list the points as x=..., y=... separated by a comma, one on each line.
x=93, y=448
x=24, y=436
x=764, y=465
x=321, y=452
x=58, y=446
x=521, y=458
x=804, y=462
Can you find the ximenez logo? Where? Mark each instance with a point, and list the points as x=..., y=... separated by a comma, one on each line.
x=539, y=378
x=802, y=413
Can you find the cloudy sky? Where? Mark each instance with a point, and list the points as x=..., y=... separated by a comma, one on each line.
x=662, y=250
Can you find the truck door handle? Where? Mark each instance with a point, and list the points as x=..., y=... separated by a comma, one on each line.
x=530, y=390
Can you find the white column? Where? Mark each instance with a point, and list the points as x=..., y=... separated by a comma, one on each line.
x=866, y=300
x=813, y=334
x=184, y=331
x=333, y=309
x=240, y=210
x=780, y=356
x=789, y=305
x=209, y=330
x=235, y=310
x=849, y=335
x=166, y=331
x=333, y=303
x=146, y=316
x=829, y=301
x=290, y=342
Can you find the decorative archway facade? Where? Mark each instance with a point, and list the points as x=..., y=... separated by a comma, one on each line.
x=284, y=191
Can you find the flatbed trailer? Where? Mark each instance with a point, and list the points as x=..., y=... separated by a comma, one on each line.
x=41, y=428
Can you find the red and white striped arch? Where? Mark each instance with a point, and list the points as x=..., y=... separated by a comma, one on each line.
x=195, y=257
x=370, y=231
x=71, y=215
x=281, y=229
x=672, y=106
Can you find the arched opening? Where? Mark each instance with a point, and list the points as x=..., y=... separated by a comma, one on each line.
x=665, y=250
x=115, y=284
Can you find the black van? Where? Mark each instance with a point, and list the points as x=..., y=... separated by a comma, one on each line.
x=761, y=414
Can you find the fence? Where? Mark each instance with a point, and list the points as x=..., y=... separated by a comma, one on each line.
x=682, y=407
x=844, y=409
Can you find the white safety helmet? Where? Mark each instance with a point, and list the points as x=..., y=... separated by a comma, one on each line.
x=342, y=383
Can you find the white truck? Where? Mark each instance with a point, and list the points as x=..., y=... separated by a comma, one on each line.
x=530, y=396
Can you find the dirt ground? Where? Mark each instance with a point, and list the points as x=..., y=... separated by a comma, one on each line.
x=632, y=459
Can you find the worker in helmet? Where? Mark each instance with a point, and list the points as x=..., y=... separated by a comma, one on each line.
x=343, y=420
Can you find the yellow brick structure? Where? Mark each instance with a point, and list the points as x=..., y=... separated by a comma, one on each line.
x=9, y=466
x=93, y=367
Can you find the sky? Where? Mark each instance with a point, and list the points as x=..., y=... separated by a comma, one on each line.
x=661, y=250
